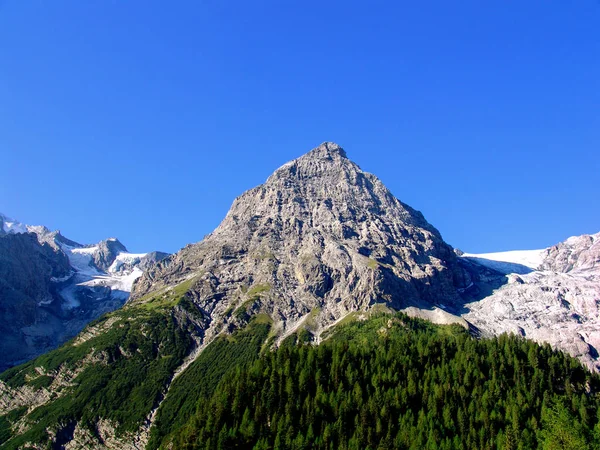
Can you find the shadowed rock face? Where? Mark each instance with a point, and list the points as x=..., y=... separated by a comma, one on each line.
x=320, y=233
x=26, y=272
x=107, y=252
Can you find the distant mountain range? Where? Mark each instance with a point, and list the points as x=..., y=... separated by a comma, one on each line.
x=51, y=286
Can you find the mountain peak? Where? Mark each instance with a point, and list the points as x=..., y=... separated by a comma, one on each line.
x=107, y=252
x=320, y=233
x=326, y=160
x=328, y=149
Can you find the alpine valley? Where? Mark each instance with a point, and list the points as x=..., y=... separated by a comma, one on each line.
x=321, y=313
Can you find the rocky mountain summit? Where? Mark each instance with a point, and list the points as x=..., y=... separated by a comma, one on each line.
x=319, y=240
x=51, y=286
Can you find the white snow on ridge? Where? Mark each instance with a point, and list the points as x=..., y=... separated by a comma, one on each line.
x=516, y=261
x=119, y=277
x=120, y=284
x=11, y=226
x=125, y=258
x=84, y=250
x=81, y=259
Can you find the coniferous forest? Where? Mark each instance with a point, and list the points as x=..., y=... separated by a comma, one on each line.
x=385, y=382
x=396, y=382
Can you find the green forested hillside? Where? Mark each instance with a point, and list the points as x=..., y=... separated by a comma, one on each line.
x=204, y=374
x=382, y=383
x=401, y=383
x=117, y=370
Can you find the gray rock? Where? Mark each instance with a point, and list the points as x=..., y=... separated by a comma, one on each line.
x=26, y=272
x=150, y=259
x=107, y=252
x=320, y=237
x=575, y=254
x=557, y=304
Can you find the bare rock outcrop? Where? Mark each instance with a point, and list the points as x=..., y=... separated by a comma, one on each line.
x=578, y=253
x=558, y=303
x=320, y=234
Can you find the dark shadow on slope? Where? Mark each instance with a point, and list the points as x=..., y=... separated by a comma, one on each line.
x=479, y=282
x=51, y=325
x=64, y=436
x=484, y=281
x=500, y=266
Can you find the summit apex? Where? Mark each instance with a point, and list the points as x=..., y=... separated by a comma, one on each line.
x=328, y=149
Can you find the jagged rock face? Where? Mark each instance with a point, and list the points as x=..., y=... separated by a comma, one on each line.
x=150, y=259
x=576, y=253
x=557, y=304
x=27, y=269
x=107, y=252
x=320, y=233
x=556, y=308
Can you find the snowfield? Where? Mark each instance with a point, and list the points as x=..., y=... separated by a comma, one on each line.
x=125, y=258
x=119, y=277
x=81, y=259
x=516, y=261
x=559, y=304
x=12, y=226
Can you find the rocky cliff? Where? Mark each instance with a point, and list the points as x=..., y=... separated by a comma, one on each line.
x=553, y=296
x=319, y=240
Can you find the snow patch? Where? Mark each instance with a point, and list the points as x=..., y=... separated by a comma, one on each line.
x=125, y=258
x=85, y=250
x=120, y=285
x=11, y=226
x=81, y=259
x=62, y=279
x=516, y=261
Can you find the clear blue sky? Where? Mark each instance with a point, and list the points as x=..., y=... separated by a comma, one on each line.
x=145, y=119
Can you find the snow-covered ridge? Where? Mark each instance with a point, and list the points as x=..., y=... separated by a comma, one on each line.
x=11, y=226
x=75, y=285
x=515, y=261
x=119, y=277
x=574, y=240
x=125, y=259
x=550, y=295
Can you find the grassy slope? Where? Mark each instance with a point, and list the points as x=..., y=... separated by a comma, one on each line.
x=123, y=371
x=135, y=357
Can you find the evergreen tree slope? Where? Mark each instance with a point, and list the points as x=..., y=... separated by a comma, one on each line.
x=395, y=382
x=202, y=377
